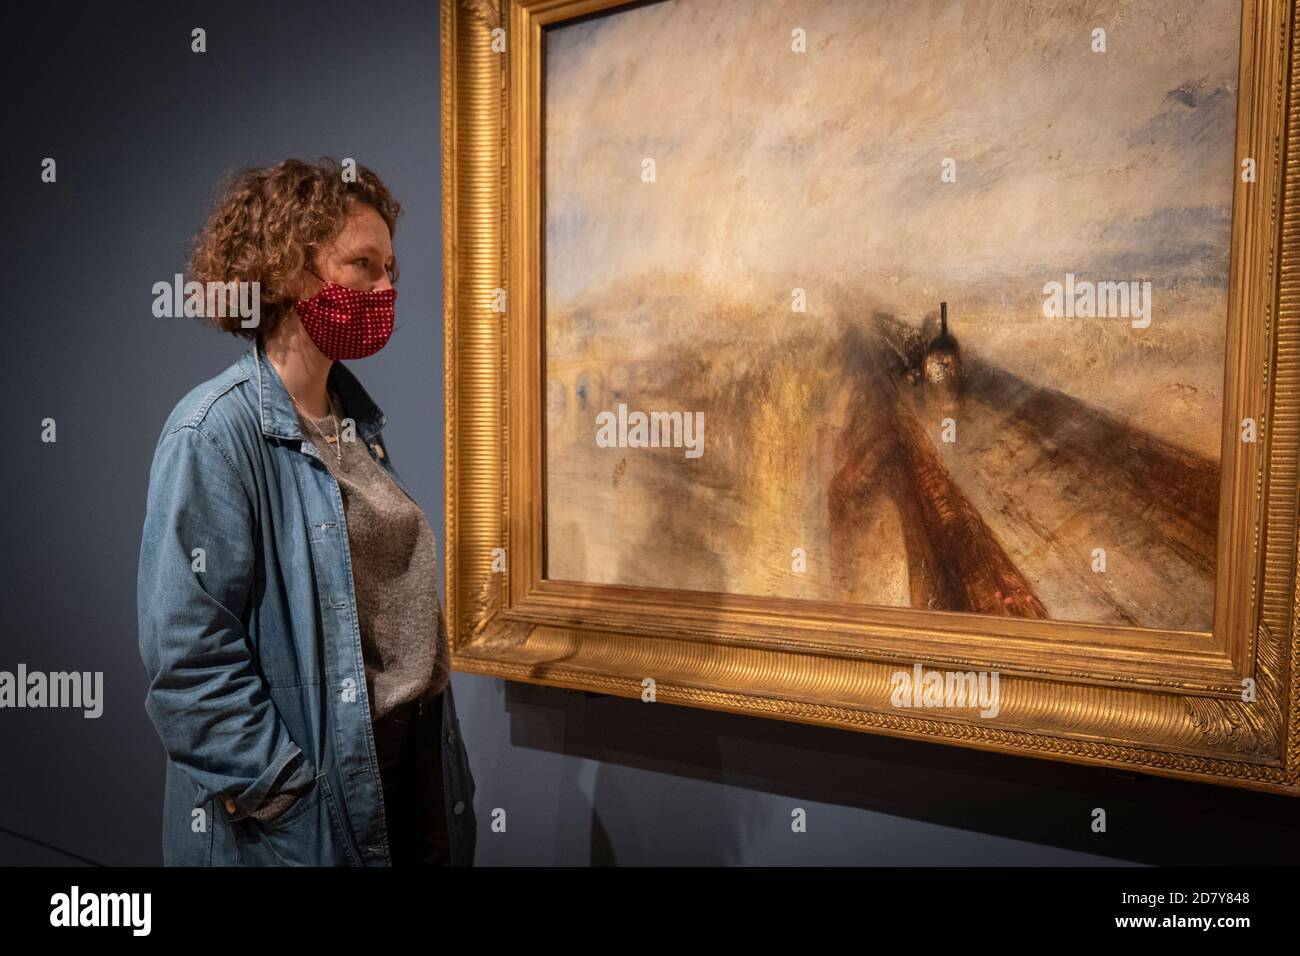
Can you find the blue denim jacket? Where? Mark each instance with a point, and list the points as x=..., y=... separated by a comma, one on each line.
x=248, y=631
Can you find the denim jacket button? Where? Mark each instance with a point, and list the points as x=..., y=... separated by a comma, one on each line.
x=230, y=806
x=459, y=808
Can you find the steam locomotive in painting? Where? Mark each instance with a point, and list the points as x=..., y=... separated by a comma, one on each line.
x=942, y=363
x=932, y=354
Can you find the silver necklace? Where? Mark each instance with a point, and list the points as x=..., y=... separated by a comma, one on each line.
x=338, y=445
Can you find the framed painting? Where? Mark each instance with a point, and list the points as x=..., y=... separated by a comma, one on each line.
x=920, y=367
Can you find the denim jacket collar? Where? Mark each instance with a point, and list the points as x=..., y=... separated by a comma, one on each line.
x=280, y=418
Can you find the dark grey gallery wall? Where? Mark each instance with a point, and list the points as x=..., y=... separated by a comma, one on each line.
x=141, y=129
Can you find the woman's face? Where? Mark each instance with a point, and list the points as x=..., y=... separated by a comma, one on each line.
x=360, y=256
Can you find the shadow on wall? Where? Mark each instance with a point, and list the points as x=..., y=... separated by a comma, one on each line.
x=920, y=789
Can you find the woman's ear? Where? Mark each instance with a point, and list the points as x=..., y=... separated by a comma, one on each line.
x=304, y=284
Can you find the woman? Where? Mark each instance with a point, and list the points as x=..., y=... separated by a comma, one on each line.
x=289, y=618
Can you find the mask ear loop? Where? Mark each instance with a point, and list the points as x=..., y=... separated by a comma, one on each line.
x=324, y=282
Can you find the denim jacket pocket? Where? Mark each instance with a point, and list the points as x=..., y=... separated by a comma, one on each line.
x=309, y=833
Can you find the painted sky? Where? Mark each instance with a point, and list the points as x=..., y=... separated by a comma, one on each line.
x=781, y=164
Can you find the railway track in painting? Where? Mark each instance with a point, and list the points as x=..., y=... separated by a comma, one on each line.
x=1013, y=516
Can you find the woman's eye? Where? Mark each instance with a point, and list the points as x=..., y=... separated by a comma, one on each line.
x=363, y=262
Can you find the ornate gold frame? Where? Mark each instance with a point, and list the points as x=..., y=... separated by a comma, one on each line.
x=1163, y=702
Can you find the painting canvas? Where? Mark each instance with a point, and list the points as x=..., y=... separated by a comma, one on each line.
x=907, y=303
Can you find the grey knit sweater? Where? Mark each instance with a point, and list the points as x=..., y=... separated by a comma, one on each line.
x=394, y=570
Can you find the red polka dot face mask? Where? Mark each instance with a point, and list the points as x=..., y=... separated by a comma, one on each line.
x=347, y=324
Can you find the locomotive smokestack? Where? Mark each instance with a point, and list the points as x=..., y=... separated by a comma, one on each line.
x=943, y=318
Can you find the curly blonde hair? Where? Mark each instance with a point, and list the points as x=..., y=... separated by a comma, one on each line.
x=268, y=223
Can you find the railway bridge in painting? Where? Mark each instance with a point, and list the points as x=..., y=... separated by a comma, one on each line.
x=1034, y=486
x=1008, y=519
